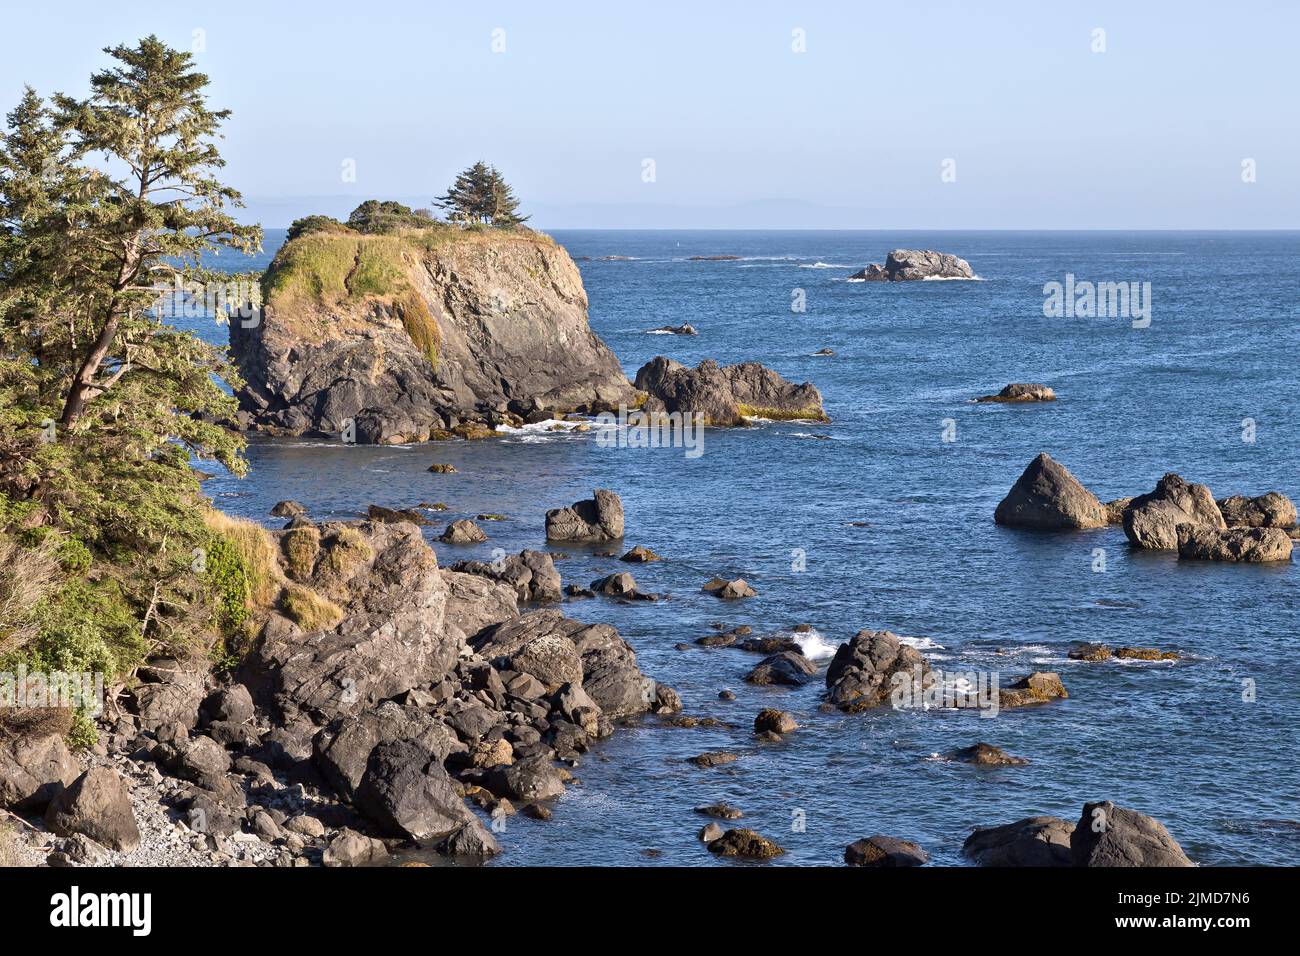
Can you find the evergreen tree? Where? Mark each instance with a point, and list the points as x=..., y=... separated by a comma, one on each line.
x=481, y=195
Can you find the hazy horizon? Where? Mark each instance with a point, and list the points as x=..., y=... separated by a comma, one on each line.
x=777, y=116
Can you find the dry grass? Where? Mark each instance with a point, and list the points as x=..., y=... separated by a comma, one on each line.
x=301, y=546
x=309, y=610
x=26, y=576
x=258, y=551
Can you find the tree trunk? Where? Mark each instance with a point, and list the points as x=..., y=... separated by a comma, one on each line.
x=84, y=382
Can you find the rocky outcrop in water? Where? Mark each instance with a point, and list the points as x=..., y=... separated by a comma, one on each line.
x=1046, y=497
x=1021, y=392
x=1271, y=510
x=1033, y=841
x=726, y=395
x=1107, y=835
x=903, y=265
x=599, y=518
x=861, y=675
x=1151, y=521
x=405, y=336
x=1249, y=545
x=885, y=852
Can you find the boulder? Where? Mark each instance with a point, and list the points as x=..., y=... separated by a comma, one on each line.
x=1247, y=544
x=1033, y=841
x=863, y=672
x=473, y=840
x=1271, y=510
x=985, y=755
x=528, y=780
x=341, y=751
x=1107, y=835
x=726, y=396
x=98, y=806
x=616, y=585
x=467, y=322
x=599, y=518
x=1038, y=688
x=712, y=758
x=463, y=531
x=640, y=555
x=710, y=832
x=770, y=720
x=233, y=704
x=720, y=811
x=379, y=513
x=532, y=574
x=407, y=793
x=34, y=767
x=1115, y=510
x=728, y=590
x=1151, y=521
x=788, y=668
x=745, y=843
x=885, y=851
x=905, y=265
x=1047, y=497
x=350, y=848
x=1021, y=392
x=288, y=509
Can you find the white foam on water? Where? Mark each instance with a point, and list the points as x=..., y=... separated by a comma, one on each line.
x=922, y=643
x=814, y=646
x=952, y=279
x=824, y=265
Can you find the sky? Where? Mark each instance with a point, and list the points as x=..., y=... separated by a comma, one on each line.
x=871, y=115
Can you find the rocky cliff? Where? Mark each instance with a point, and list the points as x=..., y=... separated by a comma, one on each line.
x=410, y=334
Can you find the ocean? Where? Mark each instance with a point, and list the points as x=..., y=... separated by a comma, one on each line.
x=883, y=519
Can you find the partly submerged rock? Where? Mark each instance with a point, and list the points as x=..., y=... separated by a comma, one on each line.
x=1107, y=835
x=1270, y=510
x=1021, y=392
x=1038, y=688
x=1151, y=521
x=599, y=518
x=885, y=851
x=745, y=843
x=1047, y=497
x=862, y=673
x=985, y=755
x=729, y=395
x=904, y=265
x=1252, y=545
x=771, y=720
x=788, y=668
x=728, y=590
x=463, y=531
x=1033, y=841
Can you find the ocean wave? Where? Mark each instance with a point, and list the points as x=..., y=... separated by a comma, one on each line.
x=951, y=279
x=823, y=265
x=922, y=643
x=814, y=646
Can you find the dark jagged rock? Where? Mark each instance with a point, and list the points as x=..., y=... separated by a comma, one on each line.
x=342, y=750
x=1033, y=841
x=1151, y=521
x=885, y=851
x=640, y=555
x=34, y=768
x=599, y=518
x=1047, y=497
x=903, y=265
x=1021, y=392
x=96, y=805
x=729, y=590
x=463, y=531
x=437, y=331
x=378, y=513
x=1250, y=545
x=1271, y=510
x=406, y=791
x=1110, y=836
x=720, y=811
x=713, y=758
x=770, y=720
x=729, y=395
x=862, y=673
x=788, y=668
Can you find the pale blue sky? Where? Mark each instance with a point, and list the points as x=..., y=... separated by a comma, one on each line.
x=743, y=131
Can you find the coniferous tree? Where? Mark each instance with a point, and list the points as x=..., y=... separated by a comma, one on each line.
x=481, y=195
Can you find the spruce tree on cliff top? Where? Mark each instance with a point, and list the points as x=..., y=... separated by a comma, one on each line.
x=481, y=195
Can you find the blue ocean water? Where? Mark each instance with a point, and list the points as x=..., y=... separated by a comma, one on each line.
x=875, y=521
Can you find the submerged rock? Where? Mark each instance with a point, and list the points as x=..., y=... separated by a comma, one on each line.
x=885, y=851
x=903, y=265
x=1252, y=545
x=729, y=395
x=599, y=518
x=985, y=755
x=729, y=590
x=1021, y=392
x=1151, y=521
x=714, y=758
x=1047, y=497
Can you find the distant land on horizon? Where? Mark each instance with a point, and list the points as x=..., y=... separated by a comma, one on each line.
x=774, y=214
